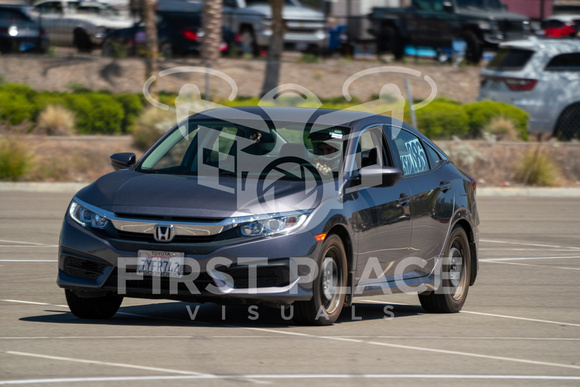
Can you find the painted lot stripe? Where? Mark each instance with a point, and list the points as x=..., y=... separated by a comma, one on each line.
x=421, y=349
x=29, y=260
x=253, y=337
x=408, y=347
x=532, y=265
x=25, y=243
x=291, y=377
x=529, y=258
x=528, y=244
x=198, y=375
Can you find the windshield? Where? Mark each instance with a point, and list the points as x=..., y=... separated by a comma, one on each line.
x=479, y=4
x=211, y=147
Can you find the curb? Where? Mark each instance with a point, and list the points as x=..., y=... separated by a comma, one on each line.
x=481, y=192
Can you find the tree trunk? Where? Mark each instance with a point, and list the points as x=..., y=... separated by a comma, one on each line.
x=273, y=64
x=212, y=29
x=151, y=36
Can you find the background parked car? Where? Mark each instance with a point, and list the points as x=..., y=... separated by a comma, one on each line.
x=178, y=34
x=82, y=24
x=18, y=32
x=541, y=77
x=559, y=26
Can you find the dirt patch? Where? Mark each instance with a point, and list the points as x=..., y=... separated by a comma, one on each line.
x=324, y=79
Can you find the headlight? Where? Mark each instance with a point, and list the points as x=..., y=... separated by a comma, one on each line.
x=268, y=225
x=486, y=25
x=86, y=217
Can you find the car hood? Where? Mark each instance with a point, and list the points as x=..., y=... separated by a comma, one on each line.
x=133, y=193
x=290, y=12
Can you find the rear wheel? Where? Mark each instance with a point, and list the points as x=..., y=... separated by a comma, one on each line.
x=474, y=49
x=328, y=287
x=82, y=41
x=568, y=124
x=249, y=43
x=102, y=307
x=390, y=41
x=452, y=293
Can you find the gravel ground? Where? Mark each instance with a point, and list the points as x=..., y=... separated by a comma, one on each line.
x=324, y=79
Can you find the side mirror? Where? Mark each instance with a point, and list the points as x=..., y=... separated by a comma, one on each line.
x=375, y=175
x=122, y=160
x=448, y=6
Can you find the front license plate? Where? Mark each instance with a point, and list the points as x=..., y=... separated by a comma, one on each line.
x=160, y=263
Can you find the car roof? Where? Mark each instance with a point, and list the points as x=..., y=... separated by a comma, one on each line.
x=555, y=46
x=326, y=117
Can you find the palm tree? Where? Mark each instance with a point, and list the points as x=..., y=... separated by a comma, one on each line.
x=212, y=28
x=272, y=75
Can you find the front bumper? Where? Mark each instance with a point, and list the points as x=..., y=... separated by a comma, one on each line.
x=93, y=264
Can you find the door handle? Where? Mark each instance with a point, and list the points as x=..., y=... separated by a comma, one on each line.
x=403, y=200
x=445, y=186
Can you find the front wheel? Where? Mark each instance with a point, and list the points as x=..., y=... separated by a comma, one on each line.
x=328, y=289
x=456, y=269
x=102, y=307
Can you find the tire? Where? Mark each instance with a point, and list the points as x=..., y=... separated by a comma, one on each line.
x=452, y=293
x=568, y=124
x=82, y=41
x=326, y=305
x=249, y=43
x=390, y=41
x=108, y=49
x=474, y=49
x=94, y=308
x=167, y=50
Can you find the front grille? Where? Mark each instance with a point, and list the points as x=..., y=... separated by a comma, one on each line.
x=84, y=268
x=142, y=237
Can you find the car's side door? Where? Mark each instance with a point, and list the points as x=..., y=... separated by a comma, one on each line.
x=383, y=216
x=50, y=17
x=431, y=199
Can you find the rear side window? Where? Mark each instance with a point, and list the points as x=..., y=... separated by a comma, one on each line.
x=412, y=154
x=510, y=59
x=564, y=62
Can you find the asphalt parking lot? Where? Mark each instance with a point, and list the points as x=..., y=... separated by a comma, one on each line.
x=520, y=325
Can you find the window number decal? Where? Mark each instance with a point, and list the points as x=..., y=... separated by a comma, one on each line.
x=415, y=161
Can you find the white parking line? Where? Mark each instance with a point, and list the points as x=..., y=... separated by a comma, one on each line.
x=253, y=337
x=529, y=258
x=112, y=364
x=28, y=260
x=528, y=244
x=531, y=264
x=486, y=314
x=400, y=346
x=414, y=348
x=24, y=244
x=290, y=377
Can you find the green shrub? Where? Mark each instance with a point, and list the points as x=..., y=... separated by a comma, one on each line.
x=152, y=123
x=132, y=106
x=482, y=113
x=96, y=113
x=440, y=120
x=15, y=108
x=14, y=158
x=18, y=89
x=538, y=168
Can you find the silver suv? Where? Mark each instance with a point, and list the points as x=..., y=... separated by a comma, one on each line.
x=541, y=77
x=81, y=24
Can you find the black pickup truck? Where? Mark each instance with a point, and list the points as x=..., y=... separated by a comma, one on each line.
x=437, y=23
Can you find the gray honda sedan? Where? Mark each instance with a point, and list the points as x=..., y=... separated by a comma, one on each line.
x=301, y=209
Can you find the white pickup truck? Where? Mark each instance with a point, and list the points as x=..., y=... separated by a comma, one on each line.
x=252, y=19
x=81, y=24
